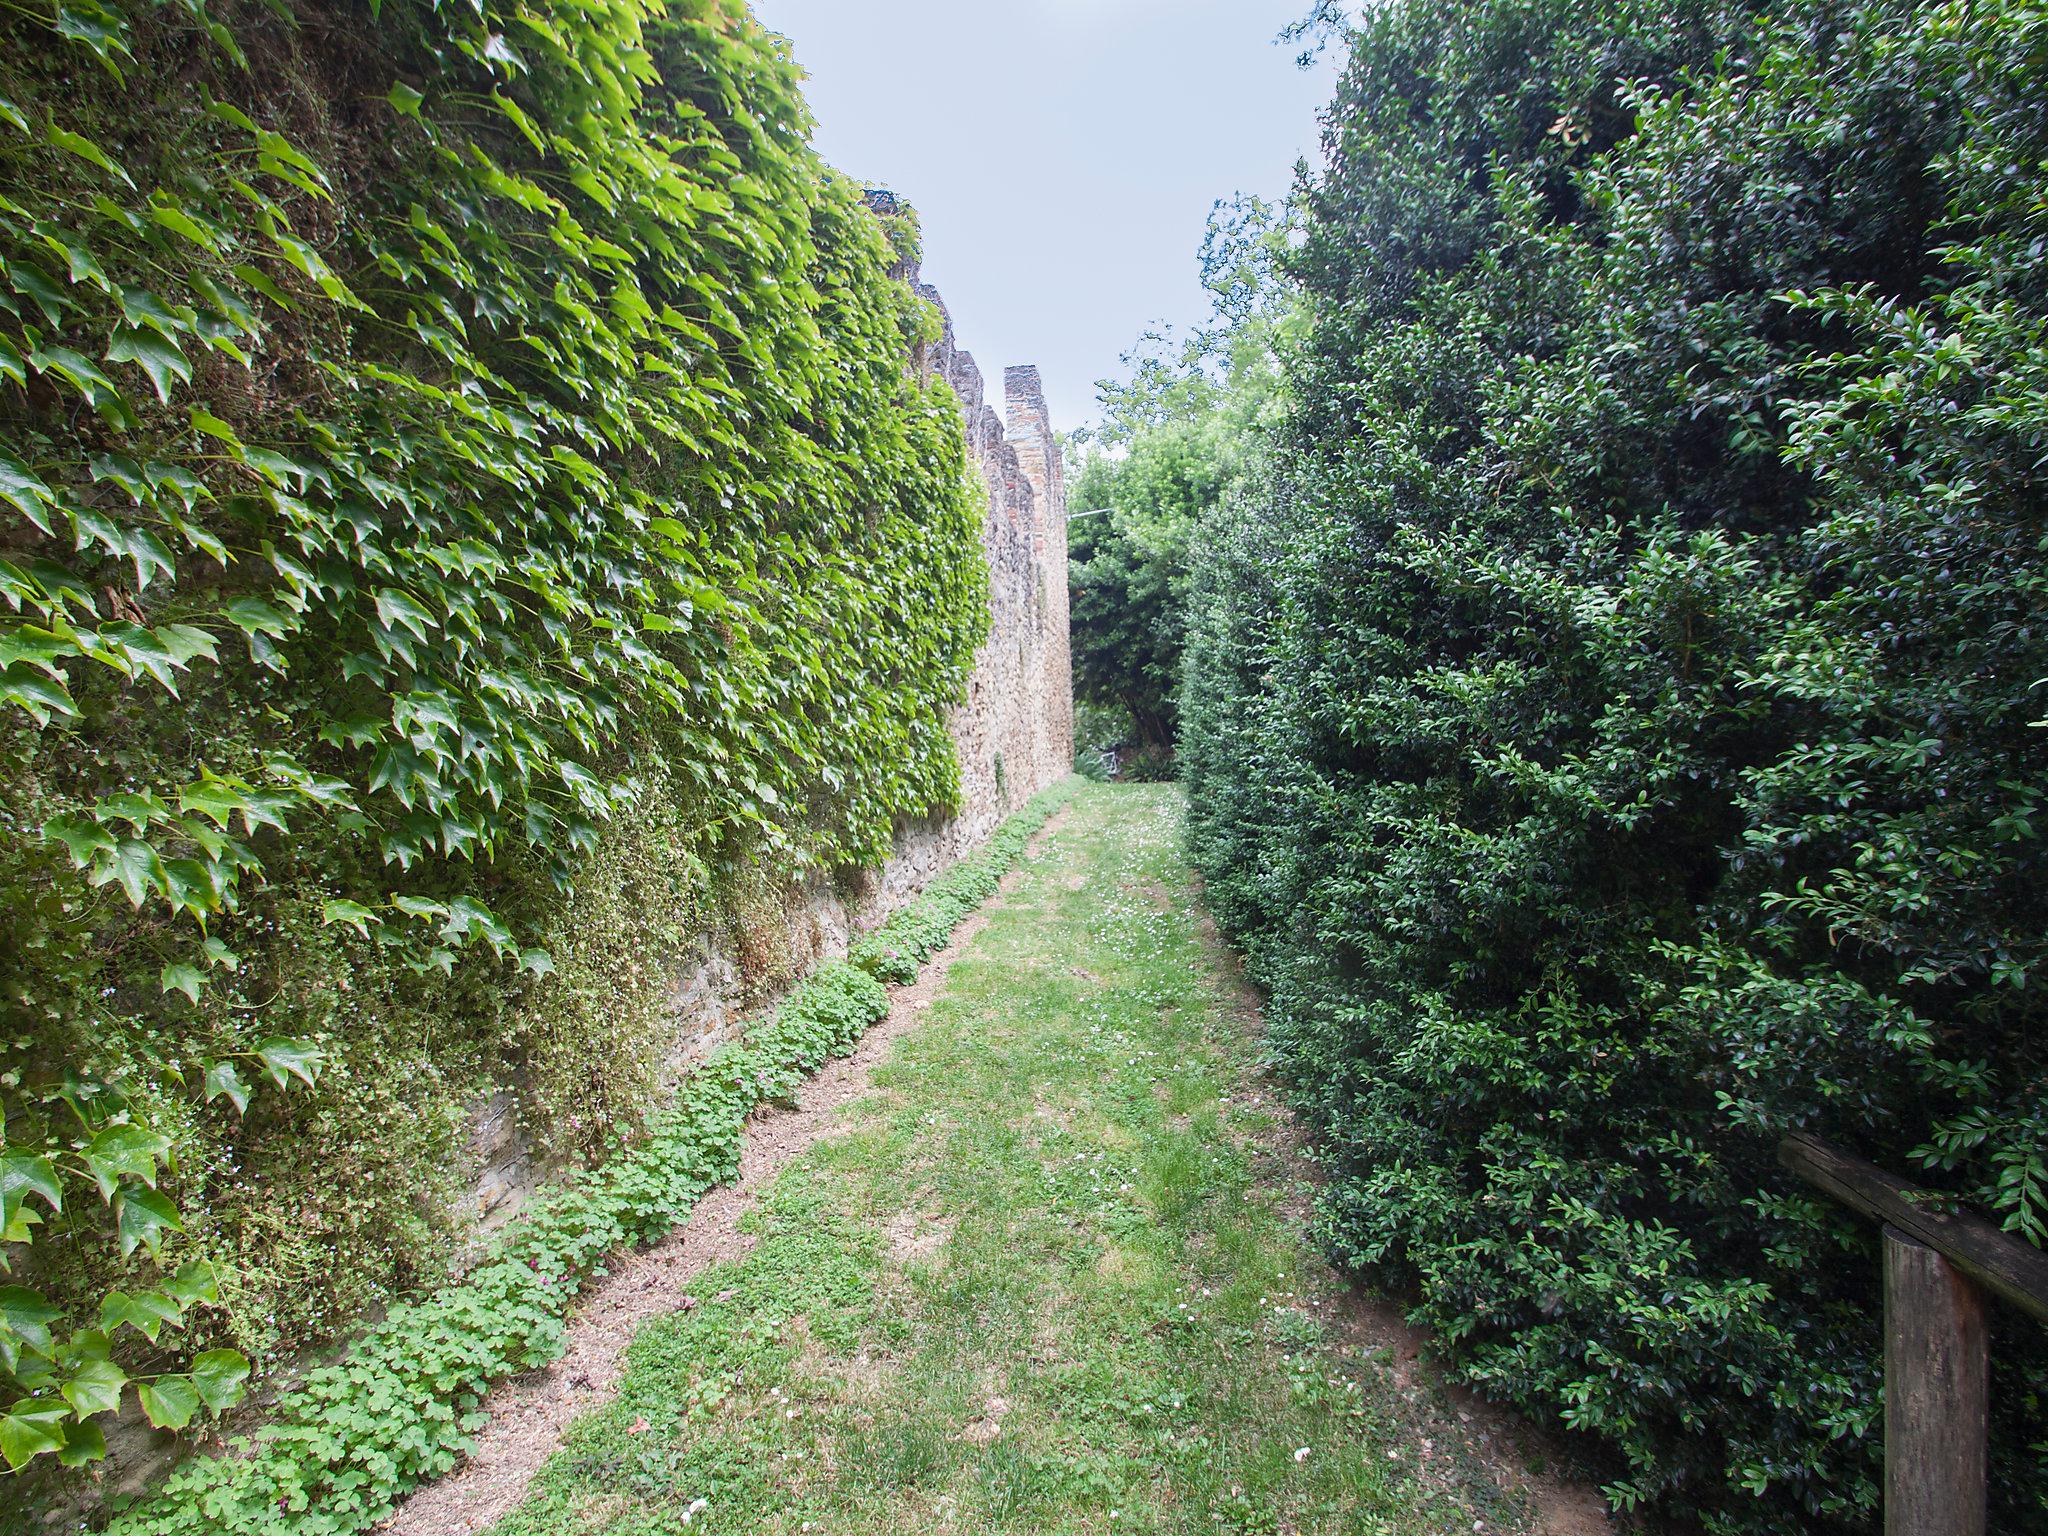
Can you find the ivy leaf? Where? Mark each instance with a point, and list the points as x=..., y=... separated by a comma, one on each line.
x=216, y=799
x=188, y=979
x=395, y=608
x=140, y=307
x=137, y=866
x=139, y=811
x=210, y=425
x=404, y=99
x=142, y=1217
x=154, y=354
x=95, y=1387
x=182, y=224
x=260, y=280
x=144, y=1311
x=285, y=1059
x=358, y=731
x=169, y=1401
x=499, y=51
x=223, y=1077
x=31, y=1429
x=219, y=1374
x=125, y=1151
x=36, y=285
x=25, y=1314
x=25, y=490
x=84, y=1443
x=150, y=556
x=194, y=885
x=37, y=695
x=101, y=31
x=356, y=915
x=196, y=1281
x=254, y=616
x=85, y=839
x=228, y=112
x=24, y=1173
x=537, y=962
x=79, y=145
x=188, y=644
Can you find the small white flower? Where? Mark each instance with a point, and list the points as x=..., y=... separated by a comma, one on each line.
x=1301, y=1453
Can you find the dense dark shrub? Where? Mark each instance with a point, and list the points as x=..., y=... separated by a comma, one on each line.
x=1611, y=722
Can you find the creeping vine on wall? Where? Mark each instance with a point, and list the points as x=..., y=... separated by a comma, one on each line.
x=435, y=443
x=345, y=1444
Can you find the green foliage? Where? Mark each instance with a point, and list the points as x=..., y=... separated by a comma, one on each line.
x=1611, y=718
x=1063, y=1196
x=343, y=1444
x=1166, y=454
x=1128, y=571
x=427, y=439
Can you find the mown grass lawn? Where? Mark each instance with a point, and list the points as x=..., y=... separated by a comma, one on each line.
x=1043, y=1279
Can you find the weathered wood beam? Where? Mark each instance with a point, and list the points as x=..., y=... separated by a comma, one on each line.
x=2012, y=1270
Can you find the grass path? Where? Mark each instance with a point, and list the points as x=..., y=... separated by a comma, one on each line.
x=1045, y=1277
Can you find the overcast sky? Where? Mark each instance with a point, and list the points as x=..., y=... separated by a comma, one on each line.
x=1062, y=154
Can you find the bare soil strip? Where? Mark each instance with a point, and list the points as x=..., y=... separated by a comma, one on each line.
x=529, y=1413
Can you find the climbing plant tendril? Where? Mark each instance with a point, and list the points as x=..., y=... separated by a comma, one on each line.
x=425, y=433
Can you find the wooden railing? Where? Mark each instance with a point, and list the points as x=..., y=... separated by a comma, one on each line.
x=1940, y=1269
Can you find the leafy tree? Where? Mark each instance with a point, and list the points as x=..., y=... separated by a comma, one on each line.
x=1169, y=449
x=1127, y=573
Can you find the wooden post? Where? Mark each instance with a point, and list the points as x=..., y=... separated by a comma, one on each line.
x=1937, y=1397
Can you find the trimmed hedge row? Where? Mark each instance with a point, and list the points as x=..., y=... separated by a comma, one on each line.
x=1614, y=722
x=351, y=1439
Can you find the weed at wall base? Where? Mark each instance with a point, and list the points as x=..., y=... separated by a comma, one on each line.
x=352, y=1439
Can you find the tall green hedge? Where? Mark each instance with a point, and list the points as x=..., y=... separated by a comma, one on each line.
x=1614, y=724
x=466, y=513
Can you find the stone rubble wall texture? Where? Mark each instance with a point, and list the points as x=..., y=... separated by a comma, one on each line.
x=1014, y=733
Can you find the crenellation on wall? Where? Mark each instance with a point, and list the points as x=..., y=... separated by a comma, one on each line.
x=1037, y=447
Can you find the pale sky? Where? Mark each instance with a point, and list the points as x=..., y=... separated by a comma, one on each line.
x=1062, y=154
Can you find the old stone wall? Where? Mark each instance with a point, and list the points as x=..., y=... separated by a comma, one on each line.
x=1014, y=733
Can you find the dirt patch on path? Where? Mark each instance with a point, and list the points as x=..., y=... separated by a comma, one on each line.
x=1506, y=1443
x=529, y=1413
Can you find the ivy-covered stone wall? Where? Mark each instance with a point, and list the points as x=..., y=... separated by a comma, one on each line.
x=1012, y=732
x=480, y=568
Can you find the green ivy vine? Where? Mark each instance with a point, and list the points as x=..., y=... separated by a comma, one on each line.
x=413, y=421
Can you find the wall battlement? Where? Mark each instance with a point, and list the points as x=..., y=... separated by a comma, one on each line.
x=1015, y=731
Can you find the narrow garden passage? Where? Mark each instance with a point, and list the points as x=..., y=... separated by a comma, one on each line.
x=1045, y=1276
